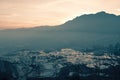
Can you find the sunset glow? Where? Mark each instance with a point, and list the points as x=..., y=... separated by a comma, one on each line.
x=30, y=13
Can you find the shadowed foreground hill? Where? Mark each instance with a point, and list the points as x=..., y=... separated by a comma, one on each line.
x=83, y=31
x=7, y=71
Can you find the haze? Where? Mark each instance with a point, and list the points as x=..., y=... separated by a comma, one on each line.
x=30, y=13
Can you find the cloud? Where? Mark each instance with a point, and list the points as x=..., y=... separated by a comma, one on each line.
x=118, y=9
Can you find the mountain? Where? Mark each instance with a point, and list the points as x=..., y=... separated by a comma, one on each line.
x=84, y=31
x=101, y=22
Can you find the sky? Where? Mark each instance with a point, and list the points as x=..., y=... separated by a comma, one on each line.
x=32, y=13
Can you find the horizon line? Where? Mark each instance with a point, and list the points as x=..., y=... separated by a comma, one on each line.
x=39, y=26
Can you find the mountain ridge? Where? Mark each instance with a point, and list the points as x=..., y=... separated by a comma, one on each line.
x=84, y=31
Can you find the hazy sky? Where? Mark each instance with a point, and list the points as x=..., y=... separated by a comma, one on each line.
x=29, y=13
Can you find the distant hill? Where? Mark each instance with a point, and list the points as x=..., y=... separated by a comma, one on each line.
x=84, y=31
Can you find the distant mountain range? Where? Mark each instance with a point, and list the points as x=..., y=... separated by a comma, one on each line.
x=84, y=31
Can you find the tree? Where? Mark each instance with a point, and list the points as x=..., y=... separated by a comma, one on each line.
x=110, y=49
x=117, y=49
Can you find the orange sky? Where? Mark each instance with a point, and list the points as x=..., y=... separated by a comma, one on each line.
x=30, y=13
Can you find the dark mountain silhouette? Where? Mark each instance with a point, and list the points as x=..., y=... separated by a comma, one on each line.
x=101, y=22
x=84, y=31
